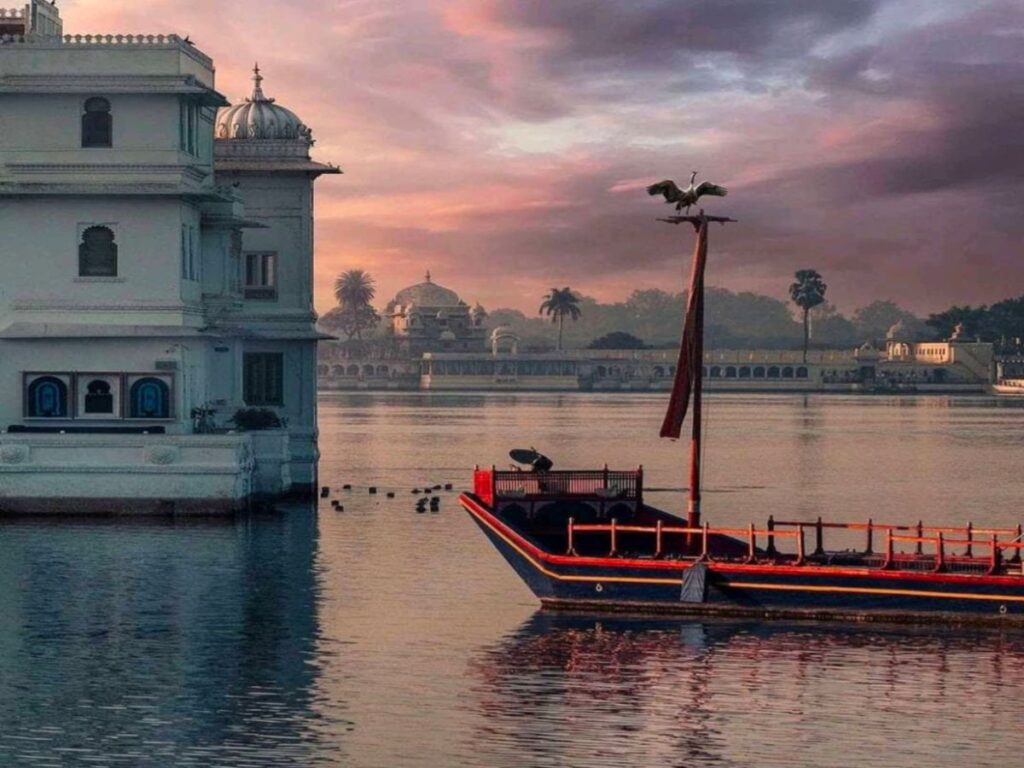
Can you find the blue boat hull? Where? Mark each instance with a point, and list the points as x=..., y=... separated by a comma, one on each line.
x=764, y=591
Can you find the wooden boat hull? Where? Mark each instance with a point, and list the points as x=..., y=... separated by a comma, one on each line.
x=812, y=592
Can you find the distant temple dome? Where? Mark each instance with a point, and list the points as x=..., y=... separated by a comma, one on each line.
x=260, y=118
x=427, y=294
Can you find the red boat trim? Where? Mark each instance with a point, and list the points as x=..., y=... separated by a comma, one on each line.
x=535, y=556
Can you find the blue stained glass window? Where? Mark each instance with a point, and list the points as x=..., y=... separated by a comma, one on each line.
x=47, y=398
x=150, y=399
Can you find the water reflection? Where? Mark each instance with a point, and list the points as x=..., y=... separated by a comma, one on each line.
x=570, y=690
x=161, y=643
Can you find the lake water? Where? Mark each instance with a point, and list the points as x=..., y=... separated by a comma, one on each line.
x=382, y=637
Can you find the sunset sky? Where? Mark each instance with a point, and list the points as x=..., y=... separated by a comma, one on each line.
x=504, y=144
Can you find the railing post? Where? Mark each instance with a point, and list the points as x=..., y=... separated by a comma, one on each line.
x=920, y=535
x=571, y=550
x=751, y=545
x=889, y=552
x=969, y=552
x=940, y=553
x=657, y=539
x=995, y=564
x=871, y=538
x=494, y=486
x=1016, y=552
x=705, y=549
x=800, y=543
x=615, y=540
x=819, y=538
x=772, y=552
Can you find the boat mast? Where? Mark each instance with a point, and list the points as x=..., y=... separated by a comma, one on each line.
x=689, y=381
x=697, y=361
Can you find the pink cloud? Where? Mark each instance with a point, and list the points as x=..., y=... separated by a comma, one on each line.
x=416, y=101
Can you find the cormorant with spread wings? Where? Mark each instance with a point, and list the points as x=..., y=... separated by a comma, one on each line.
x=684, y=198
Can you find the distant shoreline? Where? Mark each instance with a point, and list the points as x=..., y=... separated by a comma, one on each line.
x=964, y=390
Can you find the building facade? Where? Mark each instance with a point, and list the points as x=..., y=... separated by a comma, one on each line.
x=136, y=315
x=953, y=366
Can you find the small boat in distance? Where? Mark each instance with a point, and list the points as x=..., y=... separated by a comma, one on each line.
x=587, y=540
x=1009, y=387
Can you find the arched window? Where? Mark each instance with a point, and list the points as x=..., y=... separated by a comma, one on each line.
x=730, y=372
x=744, y=371
x=97, y=253
x=97, y=124
x=716, y=371
x=759, y=372
x=353, y=370
x=787, y=372
x=801, y=373
x=150, y=398
x=98, y=397
x=48, y=398
x=773, y=372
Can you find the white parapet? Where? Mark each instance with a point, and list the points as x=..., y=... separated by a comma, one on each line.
x=120, y=474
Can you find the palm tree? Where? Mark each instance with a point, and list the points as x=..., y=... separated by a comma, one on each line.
x=354, y=289
x=807, y=292
x=558, y=305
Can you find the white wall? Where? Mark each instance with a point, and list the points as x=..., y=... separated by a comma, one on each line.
x=284, y=203
x=43, y=234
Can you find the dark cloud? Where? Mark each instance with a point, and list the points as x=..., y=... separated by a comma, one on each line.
x=656, y=32
x=967, y=76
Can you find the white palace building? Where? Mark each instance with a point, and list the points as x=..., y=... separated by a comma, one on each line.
x=156, y=272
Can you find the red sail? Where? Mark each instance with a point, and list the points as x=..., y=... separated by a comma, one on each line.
x=691, y=351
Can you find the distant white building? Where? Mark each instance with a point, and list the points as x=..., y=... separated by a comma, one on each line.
x=149, y=274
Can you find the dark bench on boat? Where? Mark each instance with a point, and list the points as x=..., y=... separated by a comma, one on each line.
x=40, y=430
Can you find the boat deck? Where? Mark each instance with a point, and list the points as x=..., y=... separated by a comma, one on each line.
x=601, y=514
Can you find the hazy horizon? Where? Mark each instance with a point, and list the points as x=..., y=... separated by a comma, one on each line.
x=504, y=144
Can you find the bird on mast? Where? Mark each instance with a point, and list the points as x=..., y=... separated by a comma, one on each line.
x=684, y=198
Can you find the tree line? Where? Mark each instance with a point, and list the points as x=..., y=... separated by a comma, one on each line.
x=652, y=318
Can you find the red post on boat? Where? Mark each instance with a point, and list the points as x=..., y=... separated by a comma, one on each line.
x=690, y=367
x=697, y=361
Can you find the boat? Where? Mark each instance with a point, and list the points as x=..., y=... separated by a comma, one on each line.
x=1009, y=387
x=586, y=540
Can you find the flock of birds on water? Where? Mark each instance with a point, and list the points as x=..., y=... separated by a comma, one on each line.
x=426, y=495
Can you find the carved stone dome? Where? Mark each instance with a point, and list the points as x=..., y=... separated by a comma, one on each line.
x=427, y=294
x=260, y=118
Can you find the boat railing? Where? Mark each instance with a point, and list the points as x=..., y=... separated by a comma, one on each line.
x=492, y=485
x=698, y=543
x=703, y=534
x=922, y=534
x=993, y=560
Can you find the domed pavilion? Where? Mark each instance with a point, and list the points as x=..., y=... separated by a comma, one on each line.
x=427, y=317
x=258, y=133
